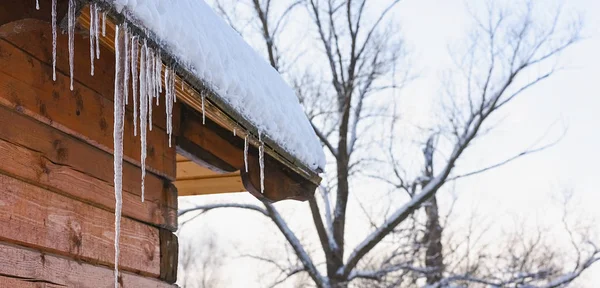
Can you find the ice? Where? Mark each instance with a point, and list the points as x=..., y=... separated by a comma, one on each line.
x=96, y=29
x=71, y=28
x=246, y=152
x=203, y=110
x=126, y=64
x=211, y=51
x=169, y=95
x=53, y=40
x=37, y=4
x=149, y=83
x=143, y=112
x=234, y=132
x=158, y=81
x=103, y=24
x=119, y=112
x=134, y=80
x=92, y=43
x=167, y=100
x=159, y=73
x=261, y=161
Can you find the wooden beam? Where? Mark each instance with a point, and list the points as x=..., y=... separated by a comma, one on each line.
x=186, y=169
x=83, y=112
x=212, y=185
x=280, y=182
x=169, y=255
x=31, y=266
x=39, y=219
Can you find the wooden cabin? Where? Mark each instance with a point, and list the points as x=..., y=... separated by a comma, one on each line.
x=57, y=199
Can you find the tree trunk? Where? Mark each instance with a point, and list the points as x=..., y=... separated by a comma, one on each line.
x=434, y=260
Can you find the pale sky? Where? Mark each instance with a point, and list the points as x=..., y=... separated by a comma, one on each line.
x=524, y=189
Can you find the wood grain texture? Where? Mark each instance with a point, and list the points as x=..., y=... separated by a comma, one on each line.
x=37, y=218
x=169, y=256
x=280, y=182
x=49, y=158
x=26, y=85
x=212, y=185
x=38, y=268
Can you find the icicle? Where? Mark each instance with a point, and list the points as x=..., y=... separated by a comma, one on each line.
x=92, y=43
x=261, y=161
x=159, y=72
x=126, y=60
x=103, y=24
x=37, y=4
x=71, y=20
x=167, y=101
x=149, y=84
x=96, y=29
x=173, y=93
x=234, y=132
x=143, y=111
x=134, y=75
x=118, y=150
x=203, y=112
x=53, y=40
x=246, y=152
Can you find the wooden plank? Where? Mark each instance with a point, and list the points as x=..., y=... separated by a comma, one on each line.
x=24, y=283
x=37, y=218
x=43, y=155
x=33, y=167
x=169, y=255
x=49, y=269
x=203, y=186
x=83, y=113
x=189, y=169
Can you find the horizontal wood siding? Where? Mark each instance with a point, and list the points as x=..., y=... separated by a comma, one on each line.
x=56, y=171
x=28, y=267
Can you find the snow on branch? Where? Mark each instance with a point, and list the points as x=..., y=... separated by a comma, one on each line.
x=205, y=208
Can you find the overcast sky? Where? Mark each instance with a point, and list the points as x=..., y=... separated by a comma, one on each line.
x=525, y=189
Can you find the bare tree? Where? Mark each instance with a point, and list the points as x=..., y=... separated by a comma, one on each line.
x=510, y=51
x=200, y=263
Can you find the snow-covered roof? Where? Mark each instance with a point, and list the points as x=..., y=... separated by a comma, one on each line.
x=208, y=48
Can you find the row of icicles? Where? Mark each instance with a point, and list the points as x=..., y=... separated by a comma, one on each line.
x=135, y=60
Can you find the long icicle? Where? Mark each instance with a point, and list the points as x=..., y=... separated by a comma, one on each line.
x=96, y=30
x=150, y=84
x=126, y=60
x=203, y=111
x=53, y=40
x=103, y=24
x=167, y=98
x=246, y=152
x=37, y=4
x=157, y=74
x=71, y=28
x=118, y=150
x=92, y=42
x=261, y=161
x=134, y=75
x=143, y=111
x=158, y=77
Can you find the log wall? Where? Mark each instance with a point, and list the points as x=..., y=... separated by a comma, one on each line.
x=56, y=172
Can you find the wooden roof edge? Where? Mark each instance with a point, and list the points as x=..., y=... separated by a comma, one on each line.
x=189, y=89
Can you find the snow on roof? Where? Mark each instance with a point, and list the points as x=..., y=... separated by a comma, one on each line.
x=212, y=51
